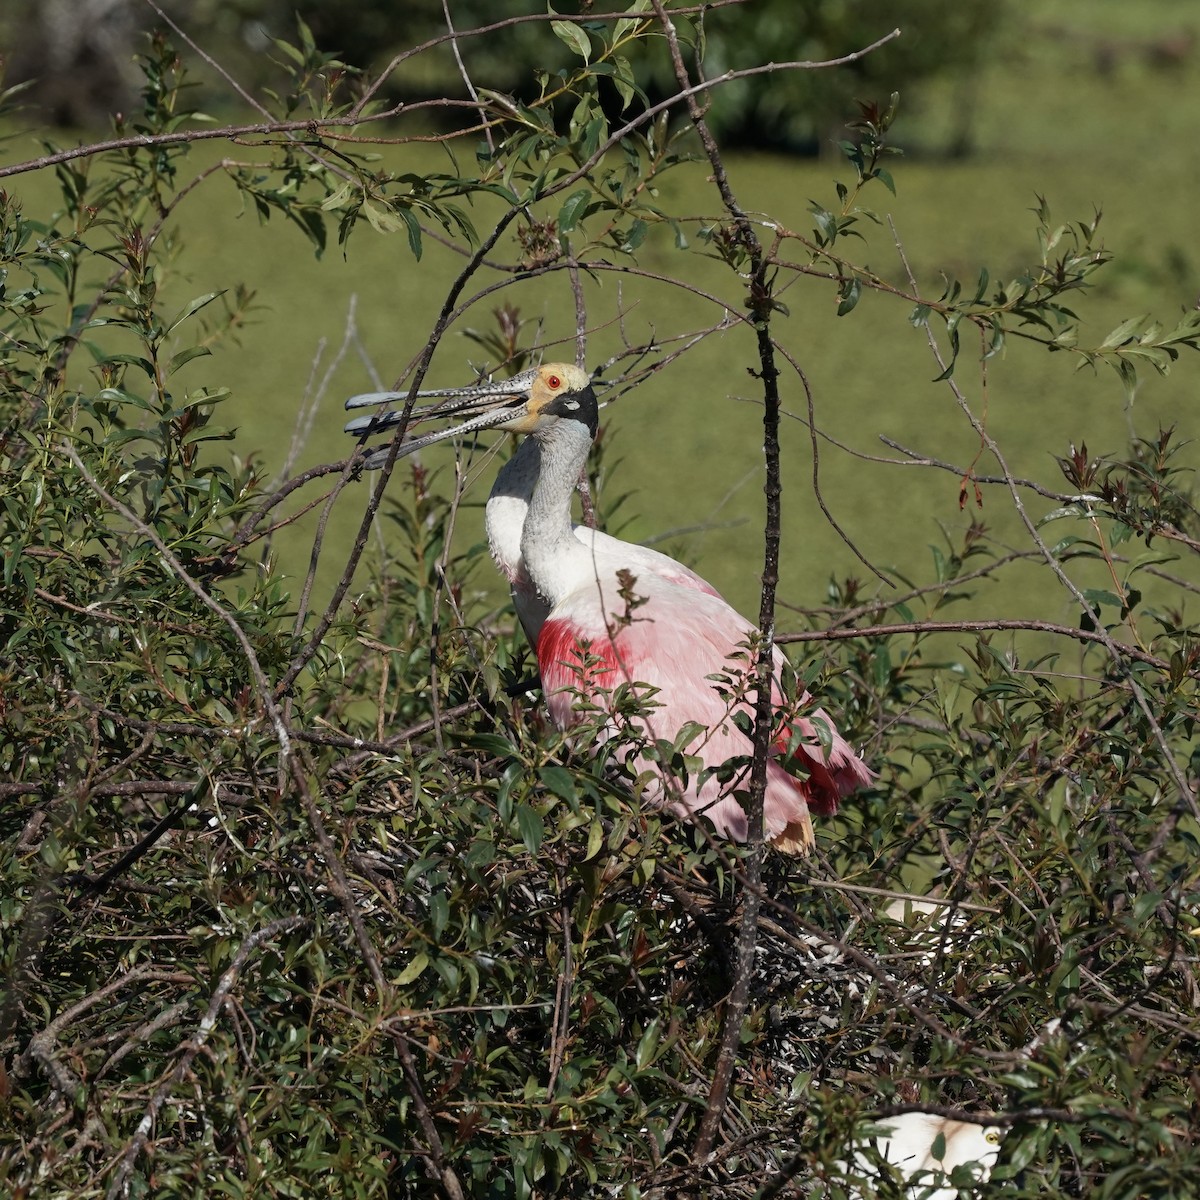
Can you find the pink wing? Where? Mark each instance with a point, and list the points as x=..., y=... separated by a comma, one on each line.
x=613, y=553
x=674, y=642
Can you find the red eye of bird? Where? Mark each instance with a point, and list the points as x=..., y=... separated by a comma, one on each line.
x=554, y=382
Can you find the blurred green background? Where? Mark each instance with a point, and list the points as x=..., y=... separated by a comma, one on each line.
x=1089, y=103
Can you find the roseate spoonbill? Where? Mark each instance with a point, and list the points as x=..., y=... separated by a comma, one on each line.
x=910, y=1142
x=601, y=612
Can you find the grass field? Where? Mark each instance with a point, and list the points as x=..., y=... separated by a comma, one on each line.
x=1074, y=107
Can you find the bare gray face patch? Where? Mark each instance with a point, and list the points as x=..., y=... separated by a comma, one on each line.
x=577, y=406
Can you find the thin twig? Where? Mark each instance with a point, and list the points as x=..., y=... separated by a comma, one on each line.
x=739, y=996
x=263, y=688
x=1117, y=652
x=119, y=1186
x=1118, y=649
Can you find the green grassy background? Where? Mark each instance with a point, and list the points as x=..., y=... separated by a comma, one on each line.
x=1048, y=120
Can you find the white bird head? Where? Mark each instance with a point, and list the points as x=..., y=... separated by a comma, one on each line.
x=530, y=402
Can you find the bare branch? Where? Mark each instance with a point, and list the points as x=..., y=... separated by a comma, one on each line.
x=119, y=1184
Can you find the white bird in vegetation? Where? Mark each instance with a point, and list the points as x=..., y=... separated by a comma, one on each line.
x=926, y=1148
x=601, y=613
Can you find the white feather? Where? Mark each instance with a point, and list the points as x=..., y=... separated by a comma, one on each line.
x=909, y=1145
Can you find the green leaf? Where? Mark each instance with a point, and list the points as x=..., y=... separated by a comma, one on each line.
x=644, y=871
x=848, y=295
x=186, y=356
x=381, y=220
x=132, y=360
x=414, y=232
x=415, y=967
x=560, y=781
x=1100, y=597
x=595, y=840
x=647, y=1045
x=635, y=236
x=572, y=209
x=574, y=37
x=627, y=25
x=192, y=307
x=1058, y=514
x=1124, y=332
x=342, y=196
x=530, y=827
x=623, y=79
x=309, y=220
x=1025, y=1151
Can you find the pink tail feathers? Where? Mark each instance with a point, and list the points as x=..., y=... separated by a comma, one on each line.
x=832, y=768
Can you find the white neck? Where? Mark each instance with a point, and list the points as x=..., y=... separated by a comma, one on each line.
x=556, y=561
x=507, y=505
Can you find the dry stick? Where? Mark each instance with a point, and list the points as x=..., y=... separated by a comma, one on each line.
x=41, y=1045
x=585, y=490
x=843, y=616
x=466, y=78
x=441, y=589
x=914, y=458
x=356, y=114
x=192, y=1047
x=1118, y=649
x=325, y=125
x=561, y=1022
x=318, y=127
x=169, y=1016
x=315, y=391
x=364, y=529
x=816, y=470
x=348, y=334
x=223, y=733
x=121, y=764
x=689, y=93
x=247, y=531
x=853, y=955
x=437, y=1168
x=191, y=793
x=482, y=30
x=729, y=319
x=314, y=557
x=873, y=968
x=36, y=925
x=863, y=889
x=340, y=887
x=229, y=133
x=739, y=996
x=248, y=97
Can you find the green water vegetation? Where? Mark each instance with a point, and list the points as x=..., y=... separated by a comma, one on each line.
x=303, y=895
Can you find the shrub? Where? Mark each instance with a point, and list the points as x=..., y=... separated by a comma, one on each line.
x=315, y=902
